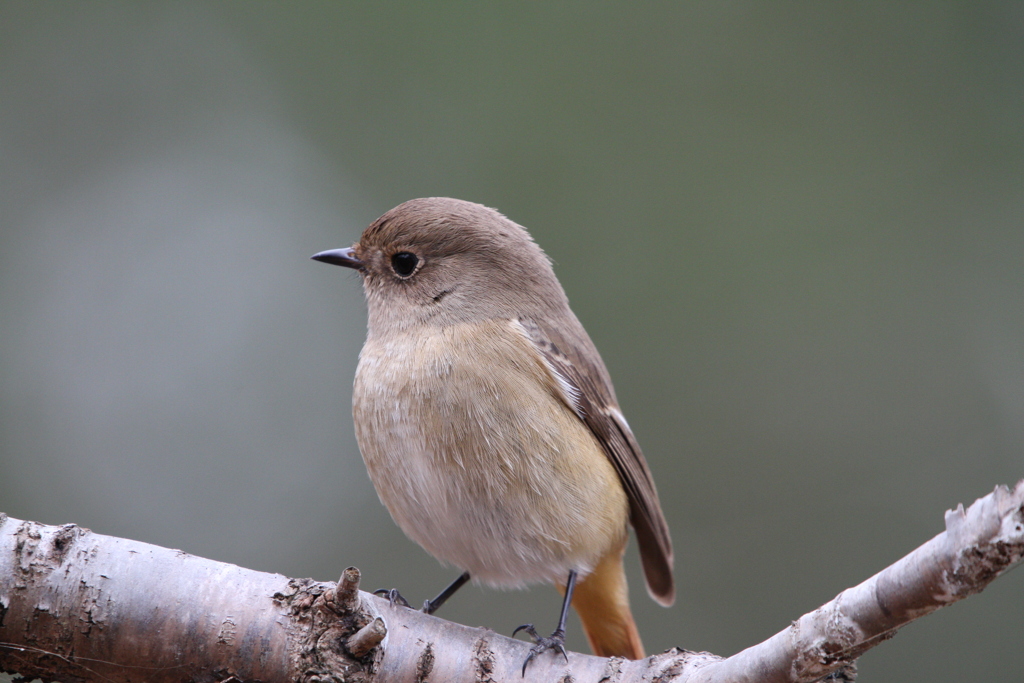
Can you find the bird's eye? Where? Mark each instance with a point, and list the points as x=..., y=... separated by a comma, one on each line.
x=404, y=263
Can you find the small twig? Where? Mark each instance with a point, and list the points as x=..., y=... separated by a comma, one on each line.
x=366, y=638
x=346, y=594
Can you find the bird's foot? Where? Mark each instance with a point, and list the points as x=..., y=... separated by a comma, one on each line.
x=556, y=642
x=393, y=596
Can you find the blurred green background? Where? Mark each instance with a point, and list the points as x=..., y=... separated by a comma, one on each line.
x=794, y=231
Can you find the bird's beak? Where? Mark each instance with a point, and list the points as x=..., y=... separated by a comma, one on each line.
x=339, y=257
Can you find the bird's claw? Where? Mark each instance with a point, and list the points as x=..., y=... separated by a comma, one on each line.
x=396, y=598
x=556, y=642
x=393, y=596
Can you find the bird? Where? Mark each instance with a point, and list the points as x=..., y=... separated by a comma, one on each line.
x=488, y=423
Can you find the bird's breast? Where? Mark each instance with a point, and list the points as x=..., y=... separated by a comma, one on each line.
x=473, y=450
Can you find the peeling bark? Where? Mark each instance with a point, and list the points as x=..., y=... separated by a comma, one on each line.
x=78, y=606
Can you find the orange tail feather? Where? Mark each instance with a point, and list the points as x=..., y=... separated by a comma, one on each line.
x=602, y=602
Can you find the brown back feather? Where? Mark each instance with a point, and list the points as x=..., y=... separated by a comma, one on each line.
x=567, y=348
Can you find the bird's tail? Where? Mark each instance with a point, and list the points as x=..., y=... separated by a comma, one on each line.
x=602, y=602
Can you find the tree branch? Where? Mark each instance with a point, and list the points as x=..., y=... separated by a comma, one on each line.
x=79, y=606
x=977, y=546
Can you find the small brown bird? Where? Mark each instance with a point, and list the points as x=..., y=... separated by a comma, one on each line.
x=488, y=422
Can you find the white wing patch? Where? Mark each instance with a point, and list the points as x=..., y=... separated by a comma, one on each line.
x=618, y=416
x=568, y=392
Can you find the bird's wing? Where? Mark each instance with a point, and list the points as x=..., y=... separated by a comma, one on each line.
x=586, y=389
